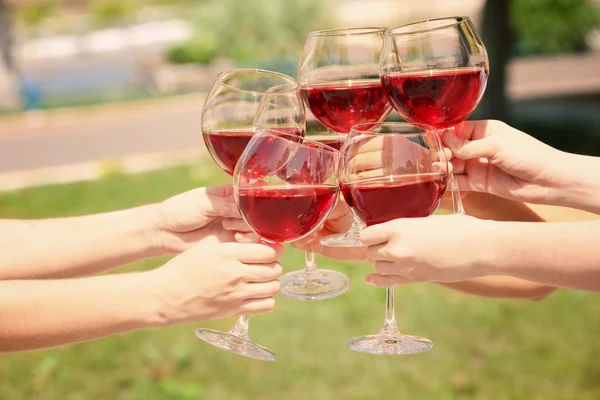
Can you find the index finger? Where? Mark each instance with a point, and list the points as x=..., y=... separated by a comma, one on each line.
x=376, y=234
x=256, y=253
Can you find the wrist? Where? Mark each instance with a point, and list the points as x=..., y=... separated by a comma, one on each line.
x=167, y=296
x=152, y=233
x=487, y=249
x=578, y=187
x=151, y=311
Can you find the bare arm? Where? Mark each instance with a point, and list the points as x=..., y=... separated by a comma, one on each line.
x=209, y=281
x=487, y=206
x=561, y=254
x=502, y=287
x=77, y=246
x=39, y=314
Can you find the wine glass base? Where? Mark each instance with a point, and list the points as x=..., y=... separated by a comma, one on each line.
x=324, y=285
x=348, y=239
x=390, y=344
x=239, y=345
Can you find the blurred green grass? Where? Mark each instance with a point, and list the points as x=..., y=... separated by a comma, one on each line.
x=484, y=349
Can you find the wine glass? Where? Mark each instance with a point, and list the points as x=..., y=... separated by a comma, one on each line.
x=389, y=171
x=231, y=107
x=277, y=210
x=435, y=73
x=339, y=82
x=276, y=111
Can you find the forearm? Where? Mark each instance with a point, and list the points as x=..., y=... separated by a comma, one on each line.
x=38, y=314
x=77, y=246
x=502, y=287
x=561, y=254
x=580, y=185
x=487, y=206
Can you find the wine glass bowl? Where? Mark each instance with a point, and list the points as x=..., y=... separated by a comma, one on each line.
x=339, y=77
x=279, y=208
x=389, y=171
x=435, y=71
x=231, y=106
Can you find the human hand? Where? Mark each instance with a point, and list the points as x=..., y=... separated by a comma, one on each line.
x=492, y=157
x=218, y=280
x=184, y=220
x=438, y=248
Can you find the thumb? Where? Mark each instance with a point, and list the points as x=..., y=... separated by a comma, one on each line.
x=220, y=206
x=469, y=149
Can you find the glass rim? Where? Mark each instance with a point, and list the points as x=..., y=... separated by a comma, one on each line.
x=347, y=31
x=366, y=128
x=453, y=21
x=258, y=71
x=318, y=146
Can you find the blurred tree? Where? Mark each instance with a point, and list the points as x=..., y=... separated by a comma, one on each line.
x=6, y=35
x=34, y=14
x=111, y=12
x=553, y=26
x=258, y=29
x=498, y=36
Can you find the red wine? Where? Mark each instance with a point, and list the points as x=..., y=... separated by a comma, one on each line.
x=285, y=214
x=226, y=146
x=409, y=196
x=340, y=105
x=335, y=141
x=436, y=99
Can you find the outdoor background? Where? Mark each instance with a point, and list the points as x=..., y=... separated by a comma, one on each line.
x=100, y=105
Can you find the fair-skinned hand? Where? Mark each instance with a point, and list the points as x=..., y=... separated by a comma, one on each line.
x=188, y=218
x=429, y=249
x=492, y=157
x=219, y=280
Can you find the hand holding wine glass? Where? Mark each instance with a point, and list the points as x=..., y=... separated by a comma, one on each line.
x=492, y=157
x=427, y=249
x=219, y=280
x=285, y=187
x=188, y=218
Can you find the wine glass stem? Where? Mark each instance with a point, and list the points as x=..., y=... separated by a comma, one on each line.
x=356, y=225
x=310, y=266
x=240, y=329
x=456, y=200
x=389, y=325
x=457, y=204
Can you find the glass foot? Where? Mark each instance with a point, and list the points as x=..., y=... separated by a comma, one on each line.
x=348, y=239
x=236, y=344
x=324, y=285
x=390, y=344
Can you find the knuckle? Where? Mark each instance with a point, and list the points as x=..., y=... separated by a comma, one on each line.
x=268, y=304
x=278, y=270
x=276, y=287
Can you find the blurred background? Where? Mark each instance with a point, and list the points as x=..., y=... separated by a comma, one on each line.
x=100, y=106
